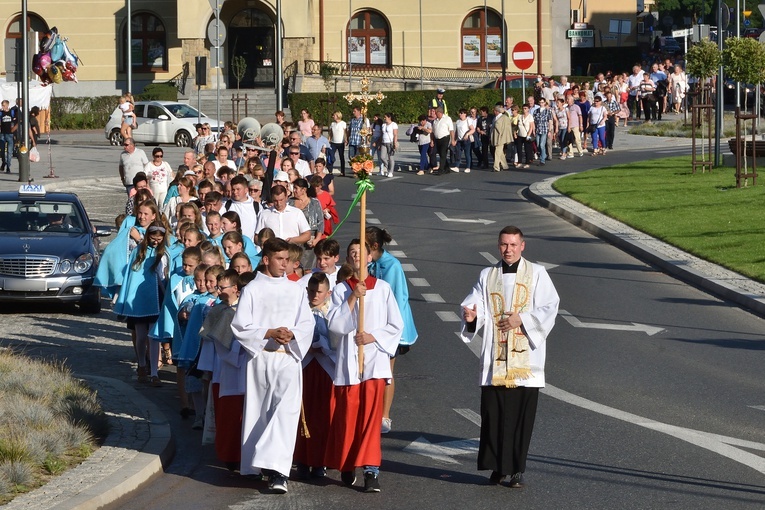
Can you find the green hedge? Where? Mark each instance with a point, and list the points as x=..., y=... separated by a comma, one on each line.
x=406, y=106
x=94, y=112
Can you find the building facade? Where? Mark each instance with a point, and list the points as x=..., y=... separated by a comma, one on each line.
x=167, y=36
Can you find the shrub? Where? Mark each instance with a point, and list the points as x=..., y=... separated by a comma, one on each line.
x=19, y=473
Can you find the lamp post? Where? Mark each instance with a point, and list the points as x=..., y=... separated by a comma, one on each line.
x=364, y=98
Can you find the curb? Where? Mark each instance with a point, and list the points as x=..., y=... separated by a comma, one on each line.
x=139, y=444
x=707, y=276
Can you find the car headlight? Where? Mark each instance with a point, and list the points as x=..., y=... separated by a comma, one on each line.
x=65, y=266
x=83, y=263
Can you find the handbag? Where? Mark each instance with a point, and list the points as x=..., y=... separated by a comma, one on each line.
x=594, y=126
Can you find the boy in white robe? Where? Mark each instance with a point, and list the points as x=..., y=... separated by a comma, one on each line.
x=274, y=324
x=515, y=303
x=354, y=436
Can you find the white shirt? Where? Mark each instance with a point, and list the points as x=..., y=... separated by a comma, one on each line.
x=229, y=163
x=442, y=127
x=303, y=168
x=286, y=224
x=461, y=128
x=337, y=132
x=248, y=218
x=633, y=82
x=388, y=132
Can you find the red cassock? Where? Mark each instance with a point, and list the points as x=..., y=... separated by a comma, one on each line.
x=354, y=432
x=318, y=408
x=228, y=426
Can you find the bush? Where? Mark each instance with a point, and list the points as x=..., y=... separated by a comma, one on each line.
x=158, y=92
x=406, y=106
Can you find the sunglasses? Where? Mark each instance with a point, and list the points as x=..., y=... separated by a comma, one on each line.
x=294, y=154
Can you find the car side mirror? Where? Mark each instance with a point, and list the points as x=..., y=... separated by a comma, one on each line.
x=163, y=117
x=103, y=231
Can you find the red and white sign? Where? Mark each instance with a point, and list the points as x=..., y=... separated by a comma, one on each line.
x=523, y=55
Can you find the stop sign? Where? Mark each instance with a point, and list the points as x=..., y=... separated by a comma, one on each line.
x=523, y=55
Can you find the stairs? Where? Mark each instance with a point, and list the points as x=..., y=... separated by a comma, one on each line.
x=261, y=103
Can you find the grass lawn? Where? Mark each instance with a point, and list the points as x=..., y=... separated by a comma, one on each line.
x=703, y=214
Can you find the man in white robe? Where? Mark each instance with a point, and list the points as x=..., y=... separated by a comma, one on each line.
x=274, y=324
x=515, y=303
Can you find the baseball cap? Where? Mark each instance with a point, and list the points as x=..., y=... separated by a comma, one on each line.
x=282, y=176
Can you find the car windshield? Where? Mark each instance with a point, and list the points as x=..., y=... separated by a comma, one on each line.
x=183, y=111
x=40, y=216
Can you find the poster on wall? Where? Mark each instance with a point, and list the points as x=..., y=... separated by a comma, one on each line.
x=494, y=48
x=471, y=49
x=378, y=50
x=357, y=50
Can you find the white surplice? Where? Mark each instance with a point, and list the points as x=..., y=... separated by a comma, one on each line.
x=382, y=319
x=274, y=374
x=537, y=322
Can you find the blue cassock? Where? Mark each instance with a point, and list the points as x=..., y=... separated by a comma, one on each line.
x=139, y=293
x=251, y=251
x=171, y=192
x=191, y=341
x=175, y=254
x=388, y=269
x=179, y=286
x=114, y=259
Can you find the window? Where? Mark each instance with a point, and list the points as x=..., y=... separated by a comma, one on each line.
x=369, y=39
x=34, y=23
x=148, y=48
x=482, y=39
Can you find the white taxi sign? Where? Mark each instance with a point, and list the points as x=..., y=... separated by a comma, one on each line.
x=32, y=190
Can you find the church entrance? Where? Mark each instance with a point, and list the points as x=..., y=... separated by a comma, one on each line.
x=252, y=35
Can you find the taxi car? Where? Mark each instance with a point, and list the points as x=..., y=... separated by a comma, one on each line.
x=49, y=249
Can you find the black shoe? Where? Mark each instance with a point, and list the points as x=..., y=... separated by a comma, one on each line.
x=232, y=466
x=496, y=478
x=371, y=483
x=348, y=478
x=516, y=482
x=186, y=412
x=303, y=472
x=278, y=484
x=318, y=472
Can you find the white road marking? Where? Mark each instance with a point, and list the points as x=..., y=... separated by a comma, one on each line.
x=433, y=298
x=443, y=217
x=759, y=408
x=392, y=243
x=438, y=189
x=419, y=282
x=488, y=256
x=722, y=445
x=470, y=415
x=373, y=221
x=643, y=328
x=369, y=211
x=398, y=254
x=547, y=265
x=448, y=317
x=409, y=268
x=443, y=452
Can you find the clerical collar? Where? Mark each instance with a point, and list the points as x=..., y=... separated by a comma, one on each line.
x=510, y=268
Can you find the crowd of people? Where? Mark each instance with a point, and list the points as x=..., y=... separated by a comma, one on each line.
x=231, y=277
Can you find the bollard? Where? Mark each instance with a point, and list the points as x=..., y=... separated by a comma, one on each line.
x=23, y=159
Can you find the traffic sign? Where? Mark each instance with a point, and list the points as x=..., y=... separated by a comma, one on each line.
x=579, y=33
x=523, y=55
x=682, y=33
x=216, y=32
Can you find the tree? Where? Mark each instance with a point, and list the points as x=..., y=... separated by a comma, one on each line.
x=239, y=67
x=744, y=61
x=693, y=7
x=703, y=62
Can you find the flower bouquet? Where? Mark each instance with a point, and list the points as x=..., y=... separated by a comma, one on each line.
x=362, y=165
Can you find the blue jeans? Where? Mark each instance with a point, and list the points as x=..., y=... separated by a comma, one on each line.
x=353, y=150
x=542, y=146
x=424, y=159
x=561, y=140
x=464, y=147
x=599, y=134
x=6, y=149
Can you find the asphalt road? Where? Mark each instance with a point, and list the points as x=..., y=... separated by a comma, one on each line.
x=651, y=383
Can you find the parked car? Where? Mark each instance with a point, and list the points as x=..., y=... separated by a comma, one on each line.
x=754, y=33
x=670, y=45
x=514, y=81
x=49, y=249
x=160, y=122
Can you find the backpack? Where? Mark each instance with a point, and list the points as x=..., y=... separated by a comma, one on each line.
x=255, y=205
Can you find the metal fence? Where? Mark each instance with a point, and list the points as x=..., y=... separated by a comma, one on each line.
x=406, y=73
x=180, y=79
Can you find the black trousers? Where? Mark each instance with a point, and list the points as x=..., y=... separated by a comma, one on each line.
x=649, y=107
x=485, y=145
x=633, y=103
x=442, y=148
x=507, y=422
x=339, y=148
x=610, y=131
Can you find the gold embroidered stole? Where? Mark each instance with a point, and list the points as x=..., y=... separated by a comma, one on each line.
x=510, y=350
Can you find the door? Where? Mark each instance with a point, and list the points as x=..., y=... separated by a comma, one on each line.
x=251, y=36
